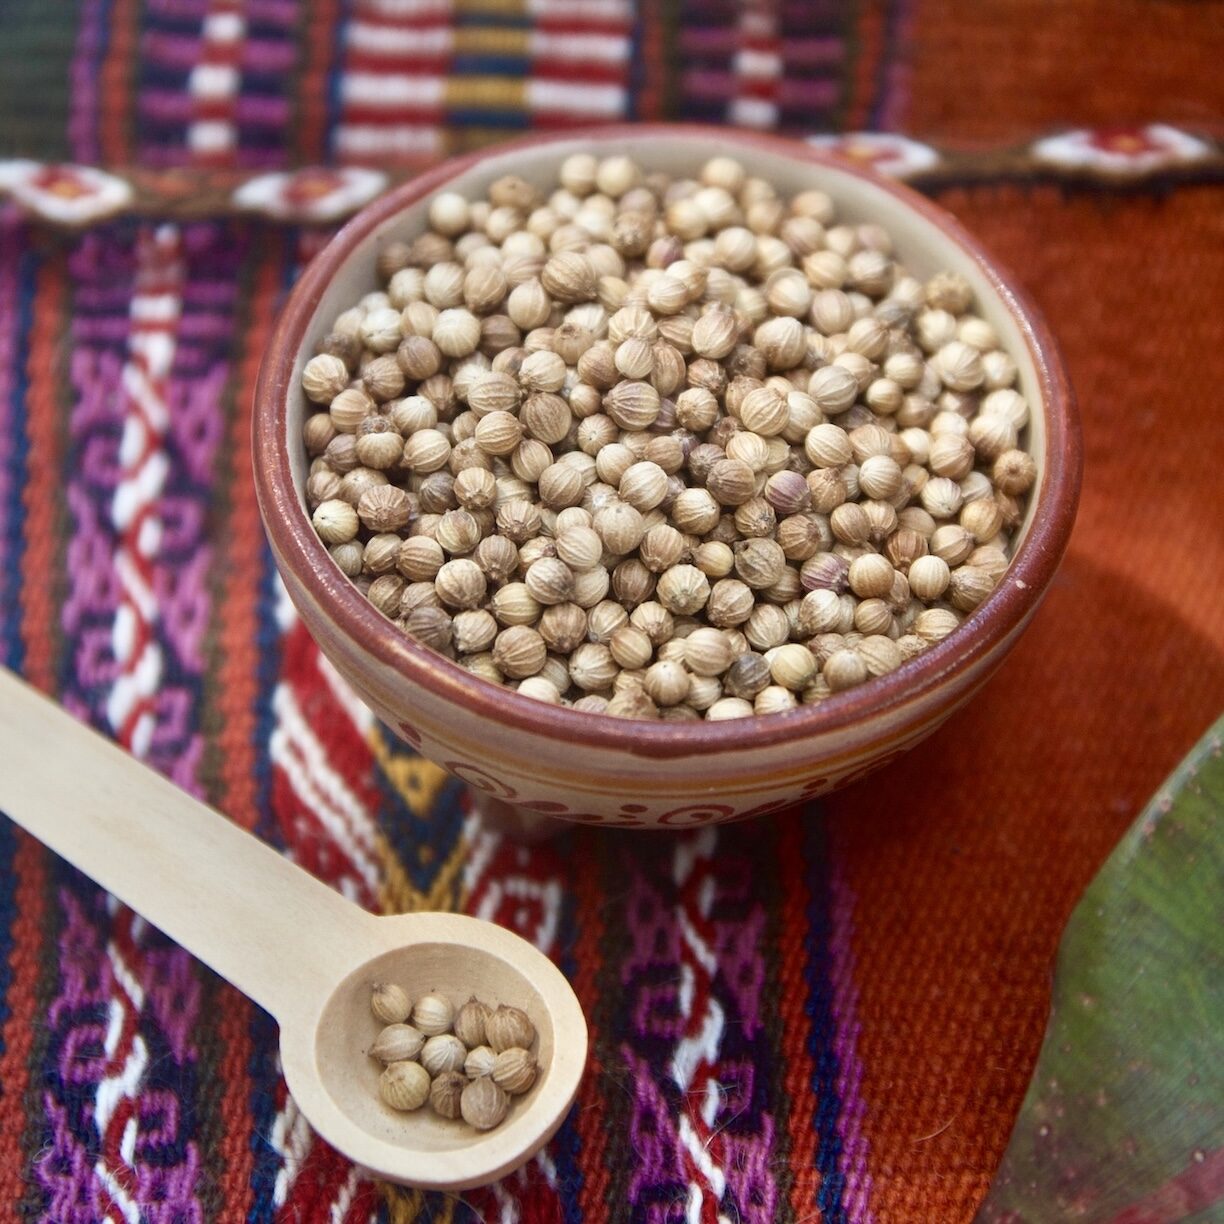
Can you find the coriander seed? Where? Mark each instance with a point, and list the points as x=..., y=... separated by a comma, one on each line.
x=432, y=1014
x=335, y=521
x=482, y=1103
x=389, y=1004
x=479, y=1061
x=934, y=624
x=844, y=669
x=324, y=377
x=692, y=398
x=442, y=1053
x=728, y=707
x=404, y=1086
x=871, y=576
x=507, y=1027
x=514, y=1070
x=519, y=651
x=446, y=1092
x=683, y=589
x=928, y=577
x=397, y=1042
x=968, y=585
x=707, y=652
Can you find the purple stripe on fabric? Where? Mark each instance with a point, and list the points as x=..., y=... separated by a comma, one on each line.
x=270, y=12
x=273, y=12
x=219, y=293
x=812, y=52
x=83, y=108
x=179, y=10
x=100, y=331
x=853, y=1159
x=166, y=106
x=101, y=296
x=204, y=339
x=706, y=83
x=692, y=985
x=214, y=329
x=99, y=268
x=90, y=1001
x=164, y=1178
x=194, y=390
x=255, y=111
x=709, y=40
x=77, y=1020
x=797, y=51
x=263, y=55
x=172, y=50
x=184, y=51
x=718, y=86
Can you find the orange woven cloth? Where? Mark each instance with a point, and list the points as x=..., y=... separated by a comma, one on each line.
x=968, y=855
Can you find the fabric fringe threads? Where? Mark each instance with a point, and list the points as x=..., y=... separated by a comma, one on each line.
x=825, y=1016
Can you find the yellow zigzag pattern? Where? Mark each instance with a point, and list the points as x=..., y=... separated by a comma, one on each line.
x=417, y=782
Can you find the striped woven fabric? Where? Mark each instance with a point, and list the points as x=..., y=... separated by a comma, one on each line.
x=830, y=1015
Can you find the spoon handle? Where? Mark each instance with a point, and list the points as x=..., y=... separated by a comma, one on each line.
x=266, y=925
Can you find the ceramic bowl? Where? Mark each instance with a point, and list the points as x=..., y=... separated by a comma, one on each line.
x=554, y=761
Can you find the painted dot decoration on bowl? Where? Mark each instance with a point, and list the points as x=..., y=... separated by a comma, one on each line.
x=665, y=448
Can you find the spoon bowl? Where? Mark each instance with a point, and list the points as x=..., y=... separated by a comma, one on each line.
x=335, y=1082
x=294, y=946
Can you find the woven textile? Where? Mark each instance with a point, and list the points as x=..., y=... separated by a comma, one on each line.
x=829, y=1015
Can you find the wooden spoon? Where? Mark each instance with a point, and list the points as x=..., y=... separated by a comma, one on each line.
x=293, y=945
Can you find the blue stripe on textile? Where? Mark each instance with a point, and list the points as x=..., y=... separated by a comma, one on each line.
x=473, y=64
x=822, y=1033
x=475, y=117
x=14, y=509
x=566, y=1149
x=335, y=74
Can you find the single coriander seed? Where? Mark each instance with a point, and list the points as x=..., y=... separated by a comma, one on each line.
x=433, y=1014
x=479, y=1061
x=404, y=1086
x=446, y=1092
x=444, y=1052
x=514, y=1070
x=397, y=1043
x=482, y=1103
x=389, y=1003
x=507, y=1027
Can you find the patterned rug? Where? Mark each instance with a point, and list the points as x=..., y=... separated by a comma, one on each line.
x=831, y=1015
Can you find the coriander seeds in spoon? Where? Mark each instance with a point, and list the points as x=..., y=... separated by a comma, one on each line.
x=296, y=947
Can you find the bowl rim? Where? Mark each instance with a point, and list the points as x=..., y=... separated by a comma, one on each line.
x=296, y=545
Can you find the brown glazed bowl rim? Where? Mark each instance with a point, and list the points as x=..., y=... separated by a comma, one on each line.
x=290, y=531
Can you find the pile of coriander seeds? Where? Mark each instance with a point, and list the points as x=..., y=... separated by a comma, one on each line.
x=665, y=448
x=465, y=1062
